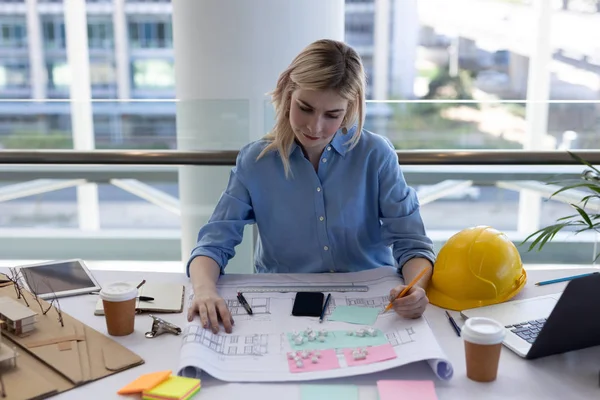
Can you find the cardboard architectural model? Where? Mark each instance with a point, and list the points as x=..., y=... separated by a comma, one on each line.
x=18, y=318
x=8, y=357
x=55, y=350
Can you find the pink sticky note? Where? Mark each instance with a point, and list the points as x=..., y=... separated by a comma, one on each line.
x=422, y=390
x=374, y=354
x=327, y=360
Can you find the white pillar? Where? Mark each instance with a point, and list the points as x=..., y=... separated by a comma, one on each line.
x=381, y=55
x=538, y=94
x=454, y=56
x=36, y=52
x=518, y=67
x=229, y=54
x=82, y=122
x=405, y=43
x=121, y=50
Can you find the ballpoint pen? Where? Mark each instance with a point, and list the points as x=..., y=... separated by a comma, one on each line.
x=324, y=308
x=244, y=303
x=453, y=323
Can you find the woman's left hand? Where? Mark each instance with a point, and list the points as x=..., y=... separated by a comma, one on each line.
x=412, y=305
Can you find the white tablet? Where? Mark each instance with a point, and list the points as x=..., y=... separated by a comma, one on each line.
x=58, y=278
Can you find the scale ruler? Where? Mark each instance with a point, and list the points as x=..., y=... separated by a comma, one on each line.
x=307, y=288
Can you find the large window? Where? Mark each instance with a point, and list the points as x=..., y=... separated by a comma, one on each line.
x=100, y=33
x=450, y=74
x=53, y=30
x=149, y=32
x=13, y=32
x=153, y=74
x=14, y=76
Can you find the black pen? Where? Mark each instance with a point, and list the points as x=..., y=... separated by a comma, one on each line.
x=453, y=322
x=243, y=302
x=325, y=308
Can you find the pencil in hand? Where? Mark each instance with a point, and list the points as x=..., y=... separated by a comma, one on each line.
x=406, y=289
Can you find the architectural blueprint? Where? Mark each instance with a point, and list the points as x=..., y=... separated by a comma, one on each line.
x=257, y=349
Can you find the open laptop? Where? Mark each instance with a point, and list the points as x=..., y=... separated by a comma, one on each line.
x=552, y=324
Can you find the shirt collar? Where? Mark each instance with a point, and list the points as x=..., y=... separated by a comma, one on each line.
x=341, y=139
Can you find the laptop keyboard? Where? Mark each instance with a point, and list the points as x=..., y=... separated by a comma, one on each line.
x=528, y=330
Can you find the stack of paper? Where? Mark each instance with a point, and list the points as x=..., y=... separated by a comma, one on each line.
x=174, y=388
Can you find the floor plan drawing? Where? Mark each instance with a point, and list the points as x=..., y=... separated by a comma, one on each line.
x=231, y=345
x=260, y=346
x=372, y=302
x=259, y=305
x=401, y=337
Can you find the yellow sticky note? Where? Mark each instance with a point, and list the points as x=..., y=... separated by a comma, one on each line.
x=145, y=382
x=174, y=388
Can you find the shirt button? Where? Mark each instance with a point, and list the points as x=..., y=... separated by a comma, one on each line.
x=325, y=248
x=318, y=189
x=328, y=148
x=324, y=160
x=321, y=218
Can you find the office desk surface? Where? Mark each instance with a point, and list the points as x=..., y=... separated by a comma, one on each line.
x=573, y=375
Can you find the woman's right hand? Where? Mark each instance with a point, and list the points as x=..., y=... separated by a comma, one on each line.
x=212, y=309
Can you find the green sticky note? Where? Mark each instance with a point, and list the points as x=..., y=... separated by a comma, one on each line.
x=355, y=315
x=328, y=392
x=339, y=340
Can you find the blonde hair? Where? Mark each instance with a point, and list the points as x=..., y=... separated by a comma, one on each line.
x=323, y=65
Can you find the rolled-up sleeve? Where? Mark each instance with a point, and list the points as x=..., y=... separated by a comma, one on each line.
x=401, y=223
x=224, y=230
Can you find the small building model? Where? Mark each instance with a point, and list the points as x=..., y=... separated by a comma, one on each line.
x=8, y=357
x=18, y=318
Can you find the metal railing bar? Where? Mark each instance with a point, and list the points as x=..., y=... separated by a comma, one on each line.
x=228, y=157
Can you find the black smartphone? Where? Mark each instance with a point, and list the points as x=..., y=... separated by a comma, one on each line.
x=308, y=304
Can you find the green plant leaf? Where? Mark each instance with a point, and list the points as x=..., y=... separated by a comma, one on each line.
x=578, y=185
x=567, y=217
x=583, y=215
x=581, y=160
x=543, y=235
x=586, y=199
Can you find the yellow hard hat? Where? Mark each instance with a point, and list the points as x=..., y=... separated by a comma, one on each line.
x=476, y=267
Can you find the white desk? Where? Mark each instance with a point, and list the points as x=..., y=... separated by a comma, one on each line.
x=570, y=376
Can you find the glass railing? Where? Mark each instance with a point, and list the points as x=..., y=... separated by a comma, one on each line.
x=465, y=161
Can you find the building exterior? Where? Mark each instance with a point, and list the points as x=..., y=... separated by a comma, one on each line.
x=130, y=46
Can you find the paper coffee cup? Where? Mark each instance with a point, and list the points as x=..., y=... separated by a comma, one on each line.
x=119, y=301
x=483, y=342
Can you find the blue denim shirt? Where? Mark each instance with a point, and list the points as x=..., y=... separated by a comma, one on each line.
x=355, y=213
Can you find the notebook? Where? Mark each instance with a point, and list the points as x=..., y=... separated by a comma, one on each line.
x=168, y=298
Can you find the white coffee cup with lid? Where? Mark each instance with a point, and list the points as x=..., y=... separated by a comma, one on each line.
x=119, y=300
x=483, y=331
x=118, y=291
x=483, y=339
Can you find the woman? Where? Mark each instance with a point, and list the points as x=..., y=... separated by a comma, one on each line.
x=326, y=195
